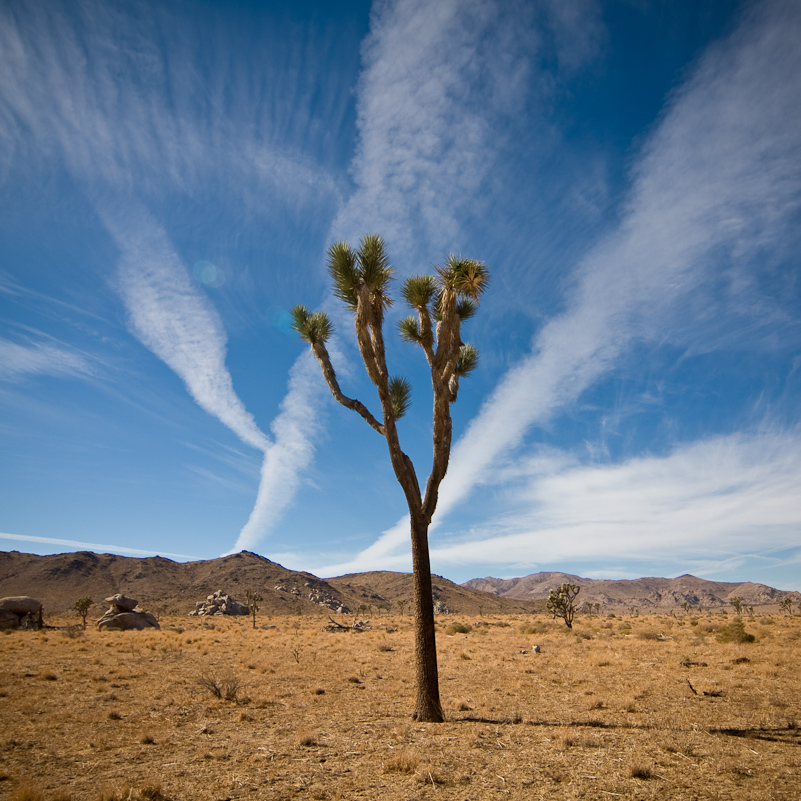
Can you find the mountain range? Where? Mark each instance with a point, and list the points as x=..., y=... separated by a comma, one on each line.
x=161, y=585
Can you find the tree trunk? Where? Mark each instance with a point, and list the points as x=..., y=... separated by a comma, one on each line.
x=427, y=706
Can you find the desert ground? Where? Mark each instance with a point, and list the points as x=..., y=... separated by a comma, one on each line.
x=632, y=707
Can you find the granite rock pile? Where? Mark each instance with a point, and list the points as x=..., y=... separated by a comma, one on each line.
x=124, y=614
x=219, y=603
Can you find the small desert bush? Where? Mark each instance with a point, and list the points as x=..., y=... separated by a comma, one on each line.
x=735, y=632
x=458, y=628
x=223, y=687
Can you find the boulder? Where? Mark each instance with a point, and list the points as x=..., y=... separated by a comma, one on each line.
x=8, y=620
x=124, y=615
x=122, y=602
x=25, y=610
x=20, y=604
x=127, y=621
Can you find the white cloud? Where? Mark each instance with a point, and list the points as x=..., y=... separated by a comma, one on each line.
x=707, y=500
x=437, y=81
x=294, y=430
x=179, y=325
x=94, y=546
x=91, y=85
x=719, y=172
x=21, y=361
x=718, y=176
x=175, y=321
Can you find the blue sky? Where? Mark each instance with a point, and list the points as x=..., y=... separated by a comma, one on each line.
x=172, y=173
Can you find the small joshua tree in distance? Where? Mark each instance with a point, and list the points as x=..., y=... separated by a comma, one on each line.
x=737, y=603
x=253, y=600
x=81, y=606
x=786, y=605
x=561, y=602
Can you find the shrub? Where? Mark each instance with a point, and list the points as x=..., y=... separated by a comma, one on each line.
x=458, y=628
x=226, y=687
x=735, y=632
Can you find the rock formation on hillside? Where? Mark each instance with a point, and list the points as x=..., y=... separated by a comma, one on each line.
x=219, y=603
x=20, y=612
x=124, y=615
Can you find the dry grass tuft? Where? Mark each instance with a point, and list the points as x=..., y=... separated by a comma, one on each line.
x=402, y=762
x=641, y=772
x=306, y=738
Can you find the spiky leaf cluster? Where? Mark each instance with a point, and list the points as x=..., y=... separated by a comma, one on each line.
x=400, y=395
x=468, y=360
x=313, y=328
x=466, y=277
x=366, y=267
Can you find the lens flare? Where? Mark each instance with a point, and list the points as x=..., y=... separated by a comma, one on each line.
x=208, y=273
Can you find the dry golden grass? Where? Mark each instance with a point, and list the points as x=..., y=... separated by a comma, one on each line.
x=634, y=707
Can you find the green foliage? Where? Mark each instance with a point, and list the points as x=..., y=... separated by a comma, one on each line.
x=737, y=603
x=313, y=328
x=400, y=394
x=458, y=628
x=409, y=329
x=82, y=605
x=418, y=291
x=735, y=632
x=466, y=308
x=561, y=602
x=468, y=360
x=253, y=600
x=466, y=277
x=368, y=266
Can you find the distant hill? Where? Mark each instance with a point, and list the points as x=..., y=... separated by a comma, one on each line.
x=647, y=594
x=159, y=584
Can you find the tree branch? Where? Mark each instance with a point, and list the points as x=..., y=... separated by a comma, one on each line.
x=330, y=376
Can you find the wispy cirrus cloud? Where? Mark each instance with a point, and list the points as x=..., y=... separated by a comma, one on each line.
x=705, y=501
x=94, y=546
x=717, y=179
x=171, y=317
x=97, y=88
x=19, y=361
x=175, y=321
x=719, y=175
x=294, y=431
x=436, y=84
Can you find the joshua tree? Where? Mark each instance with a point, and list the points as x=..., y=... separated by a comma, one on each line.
x=253, y=600
x=561, y=602
x=786, y=605
x=440, y=304
x=737, y=603
x=81, y=606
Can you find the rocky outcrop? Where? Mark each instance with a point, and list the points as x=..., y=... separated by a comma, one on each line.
x=124, y=615
x=219, y=603
x=20, y=612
